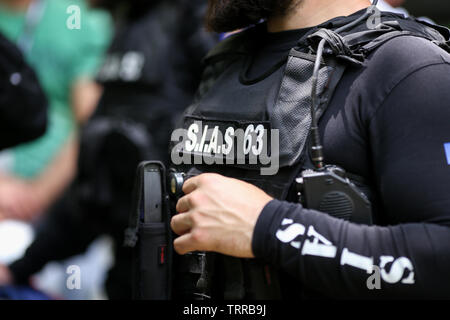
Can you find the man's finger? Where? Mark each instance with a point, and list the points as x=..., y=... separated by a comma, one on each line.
x=181, y=223
x=191, y=184
x=184, y=204
x=185, y=244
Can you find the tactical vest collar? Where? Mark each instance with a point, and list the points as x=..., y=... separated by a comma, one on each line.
x=356, y=39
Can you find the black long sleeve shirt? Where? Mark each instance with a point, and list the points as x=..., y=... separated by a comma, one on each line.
x=390, y=123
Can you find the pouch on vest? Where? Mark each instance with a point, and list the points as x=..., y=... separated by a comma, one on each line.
x=149, y=234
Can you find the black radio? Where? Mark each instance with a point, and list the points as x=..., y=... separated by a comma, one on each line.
x=329, y=190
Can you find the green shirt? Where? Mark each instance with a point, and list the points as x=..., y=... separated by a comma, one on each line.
x=59, y=56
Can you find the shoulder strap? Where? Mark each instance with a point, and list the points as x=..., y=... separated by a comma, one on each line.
x=368, y=41
x=354, y=47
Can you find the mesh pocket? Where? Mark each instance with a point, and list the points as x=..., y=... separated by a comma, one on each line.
x=292, y=112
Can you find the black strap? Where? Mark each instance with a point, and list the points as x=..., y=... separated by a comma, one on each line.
x=354, y=47
x=337, y=45
x=367, y=41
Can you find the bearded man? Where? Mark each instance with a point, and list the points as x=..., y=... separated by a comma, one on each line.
x=380, y=93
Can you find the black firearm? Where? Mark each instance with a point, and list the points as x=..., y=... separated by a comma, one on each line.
x=158, y=272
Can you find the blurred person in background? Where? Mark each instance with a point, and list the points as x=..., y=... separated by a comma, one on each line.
x=23, y=117
x=150, y=75
x=34, y=174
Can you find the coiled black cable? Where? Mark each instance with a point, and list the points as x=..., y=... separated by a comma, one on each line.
x=317, y=155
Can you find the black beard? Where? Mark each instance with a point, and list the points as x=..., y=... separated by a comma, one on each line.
x=230, y=15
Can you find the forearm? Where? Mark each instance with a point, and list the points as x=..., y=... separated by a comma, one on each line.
x=337, y=258
x=58, y=175
x=85, y=96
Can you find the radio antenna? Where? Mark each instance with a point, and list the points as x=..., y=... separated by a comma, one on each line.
x=317, y=156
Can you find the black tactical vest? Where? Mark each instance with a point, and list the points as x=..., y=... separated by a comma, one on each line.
x=224, y=107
